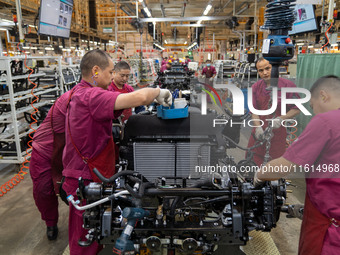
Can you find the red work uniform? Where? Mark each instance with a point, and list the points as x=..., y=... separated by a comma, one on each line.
x=163, y=68
x=187, y=61
x=209, y=71
x=126, y=89
x=126, y=112
x=318, y=150
x=41, y=166
x=261, y=101
x=164, y=61
x=88, y=139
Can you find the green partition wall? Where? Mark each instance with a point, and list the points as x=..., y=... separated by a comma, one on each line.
x=310, y=67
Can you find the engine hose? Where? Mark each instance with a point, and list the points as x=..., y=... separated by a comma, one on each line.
x=20, y=175
x=114, y=177
x=141, y=189
x=132, y=192
x=173, y=207
x=279, y=15
x=70, y=198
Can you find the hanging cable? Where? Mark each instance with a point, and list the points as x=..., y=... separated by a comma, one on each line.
x=20, y=175
x=327, y=36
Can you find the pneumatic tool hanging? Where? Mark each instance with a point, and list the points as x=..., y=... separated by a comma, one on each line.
x=278, y=46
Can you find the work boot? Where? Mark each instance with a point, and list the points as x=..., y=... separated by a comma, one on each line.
x=52, y=233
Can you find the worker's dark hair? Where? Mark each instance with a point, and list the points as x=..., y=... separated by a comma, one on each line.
x=208, y=60
x=259, y=60
x=329, y=82
x=94, y=58
x=121, y=65
x=187, y=56
x=165, y=57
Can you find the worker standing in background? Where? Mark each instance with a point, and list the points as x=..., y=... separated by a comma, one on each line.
x=209, y=72
x=119, y=84
x=46, y=166
x=121, y=76
x=186, y=63
x=164, y=61
x=262, y=101
x=187, y=60
x=89, y=142
x=166, y=67
x=318, y=147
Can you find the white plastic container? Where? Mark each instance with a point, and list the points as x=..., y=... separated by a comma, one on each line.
x=180, y=103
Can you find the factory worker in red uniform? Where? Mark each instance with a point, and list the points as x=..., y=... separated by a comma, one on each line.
x=209, y=72
x=166, y=67
x=262, y=101
x=89, y=142
x=187, y=60
x=317, y=152
x=48, y=143
x=121, y=76
x=164, y=61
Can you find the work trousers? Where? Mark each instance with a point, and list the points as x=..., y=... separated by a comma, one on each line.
x=43, y=190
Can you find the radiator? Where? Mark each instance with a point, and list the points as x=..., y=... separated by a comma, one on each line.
x=165, y=159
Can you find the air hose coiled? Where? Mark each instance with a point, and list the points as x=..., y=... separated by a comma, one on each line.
x=279, y=15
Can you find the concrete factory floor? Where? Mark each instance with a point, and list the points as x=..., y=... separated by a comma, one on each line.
x=23, y=232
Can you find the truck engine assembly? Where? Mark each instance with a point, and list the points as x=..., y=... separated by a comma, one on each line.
x=178, y=76
x=166, y=202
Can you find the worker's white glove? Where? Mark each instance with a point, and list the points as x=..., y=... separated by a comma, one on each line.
x=211, y=79
x=164, y=98
x=203, y=76
x=276, y=123
x=259, y=133
x=257, y=182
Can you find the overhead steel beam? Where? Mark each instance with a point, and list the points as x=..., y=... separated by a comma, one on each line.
x=224, y=6
x=198, y=25
x=162, y=10
x=179, y=19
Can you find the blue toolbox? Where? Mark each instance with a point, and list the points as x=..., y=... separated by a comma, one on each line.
x=172, y=113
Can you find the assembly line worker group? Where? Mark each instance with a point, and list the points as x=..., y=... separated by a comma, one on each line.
x=82, y=120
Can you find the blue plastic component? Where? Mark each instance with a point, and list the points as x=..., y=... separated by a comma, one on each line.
x=175, y=94
x=279, y=50
x=172, y=113
x=245, y=94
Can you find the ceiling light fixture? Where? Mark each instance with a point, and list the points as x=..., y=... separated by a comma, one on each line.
x=147, y=11
x=207, y=9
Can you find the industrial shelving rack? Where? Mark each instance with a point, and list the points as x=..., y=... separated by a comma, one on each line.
x=16, y=129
